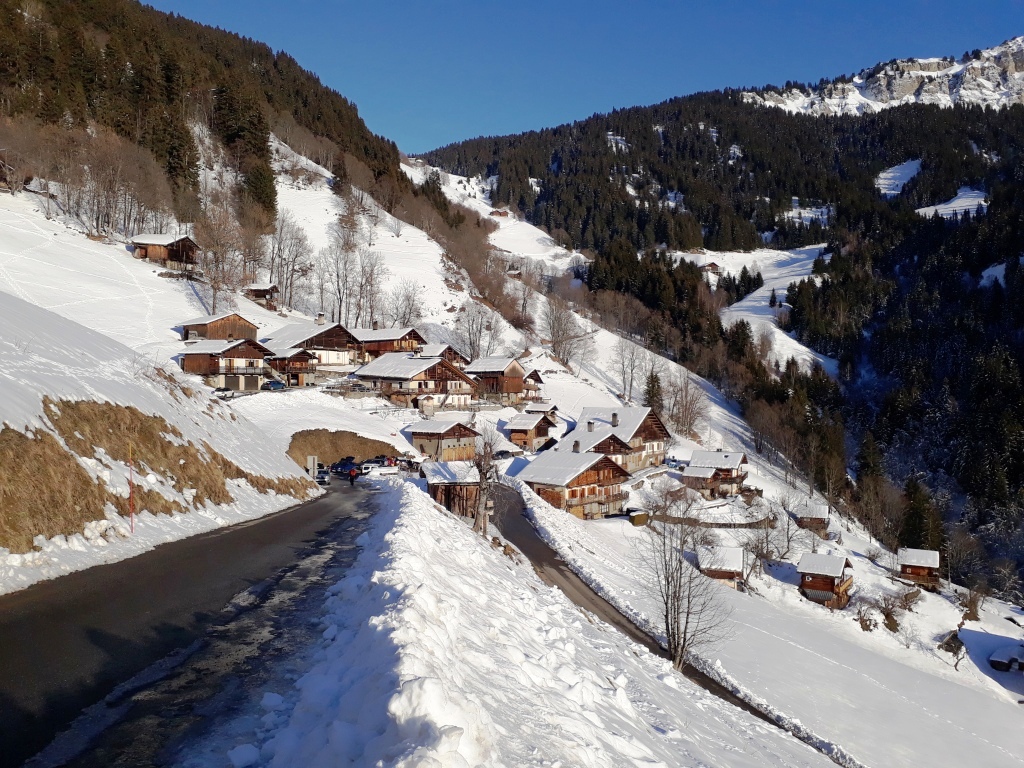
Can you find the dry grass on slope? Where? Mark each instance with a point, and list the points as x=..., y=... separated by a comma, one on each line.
x=331, y=446
x=45, y=490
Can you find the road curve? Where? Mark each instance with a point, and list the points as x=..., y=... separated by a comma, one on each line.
x=67, y=643
x=511, y=520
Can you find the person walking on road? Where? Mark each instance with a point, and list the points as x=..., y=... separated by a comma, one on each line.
x=352, y=476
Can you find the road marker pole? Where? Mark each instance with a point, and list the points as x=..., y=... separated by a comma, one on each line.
x=131, y=488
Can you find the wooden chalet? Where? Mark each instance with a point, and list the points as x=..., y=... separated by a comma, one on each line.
x=531, y=385
x=226, y=326
x=823, y=579
x=587, y=485
x=455, y=485
x=711, y=268
x=715, y=473
x=634, y=438
x=235, y=364
x=920, y=566
x=537, y=407
x=413, y=382
x=447, y=351
x=444, y=440
x=500, y=213
x=725, y=564
x=173, y=251
x=330, y=342
x=530, y=431
x=813, y=517
x=264, y=294
x=499, y=378
x=371, y=343
x=295, y=367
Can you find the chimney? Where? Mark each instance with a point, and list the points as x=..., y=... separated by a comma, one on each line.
x=321, y=318
x=376, y=325
x=615, y=419
x=575, y=446
x=590, y=426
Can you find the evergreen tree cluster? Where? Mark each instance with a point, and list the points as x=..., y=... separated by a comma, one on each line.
x=147, y=75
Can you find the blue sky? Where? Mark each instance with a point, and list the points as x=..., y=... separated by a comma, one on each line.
x=429, y=72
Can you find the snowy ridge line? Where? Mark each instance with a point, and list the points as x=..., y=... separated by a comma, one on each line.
x=715, y=671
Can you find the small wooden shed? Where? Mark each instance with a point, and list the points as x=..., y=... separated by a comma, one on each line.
x=455, y=485
x=813, y=517
x=174, y=251
x=920, y=566
x=725, y=564
x=226, y=326
x=823, y=579
x=264, y=294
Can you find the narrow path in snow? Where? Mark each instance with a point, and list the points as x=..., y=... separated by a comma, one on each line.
x=70, y=642
x=517, y=529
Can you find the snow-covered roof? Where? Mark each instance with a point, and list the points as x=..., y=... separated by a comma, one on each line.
x=294, y=334
x=212, y=346
x=558, y=467
x=540, y=408
x=285, y=352
x=207, y=319
x=704, y=473
x=157, y=239
x=490, y=365
x=813, y=510
x=524, y=421
x=721, y=558
x=630, y=419
x=379, y=334
x=433, y=350
x=822, y=565
x=431, y=427
x=449, y=472
x=395, y=365
x=921, y=558
x=717, y=459
x=260, y=286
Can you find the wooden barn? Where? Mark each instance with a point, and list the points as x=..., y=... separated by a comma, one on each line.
x=371, y=343
x=235, y=364
x=264, y=294
x=634, y=438
x=455, y=485
x=501, y=379
x=813, y=517
x=444, y=440
x=412, y=381
x=226, y=326
x=715, y=473
x=173, y=251
x=529, y=431
x=587, y=485
x=920, y=566
x=295, y=367
x=823, y=579
x=725, y=564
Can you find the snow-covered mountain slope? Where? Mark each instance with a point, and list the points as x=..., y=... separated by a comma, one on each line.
x=891, y=181
x=441, y=650
x=967, y=200
x=69, y=394
x=882, y=698
x=994, y=79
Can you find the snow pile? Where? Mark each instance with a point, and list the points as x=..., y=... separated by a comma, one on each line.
x=967, y=200
x=891, y=181
x=43, y=355
x=440, y=650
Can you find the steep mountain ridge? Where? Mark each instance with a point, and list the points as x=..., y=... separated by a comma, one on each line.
x=993, y=77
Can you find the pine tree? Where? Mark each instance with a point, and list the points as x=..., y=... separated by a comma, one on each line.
x=773, y=300
x=653, y=397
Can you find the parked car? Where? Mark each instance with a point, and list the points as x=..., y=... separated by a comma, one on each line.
x=673, y=462
x=372, y=464
x=502, y=455
x=342, y=468
x=323, y=477
x=272, y=386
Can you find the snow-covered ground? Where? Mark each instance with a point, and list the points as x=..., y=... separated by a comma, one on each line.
x=869, y=694
x=809, y=214
x=440, y=650
x=891, y=181
x=967, y=200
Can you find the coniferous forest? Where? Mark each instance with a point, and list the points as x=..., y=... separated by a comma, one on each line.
x=929, y=409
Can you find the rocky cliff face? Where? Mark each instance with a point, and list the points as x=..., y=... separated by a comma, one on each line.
x=993, y=78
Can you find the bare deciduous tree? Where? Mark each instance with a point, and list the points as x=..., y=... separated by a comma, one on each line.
x=686, y=402
x=627, y=356
x=218, y=236
x=370, y=286
x=569, y=339
x=486, y=445
x=694, y=615
x=402, y=307
x=479, y=332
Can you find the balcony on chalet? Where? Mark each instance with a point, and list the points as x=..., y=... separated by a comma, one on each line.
x=596, y=499
x=241, y=370
x=925, y=580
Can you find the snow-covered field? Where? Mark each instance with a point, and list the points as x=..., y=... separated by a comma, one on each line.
x=440, y=650
x=967, y=200
x=881, y=702
x=891, y=181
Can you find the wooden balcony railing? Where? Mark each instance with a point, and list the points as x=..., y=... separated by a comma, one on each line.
x=595, y=499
